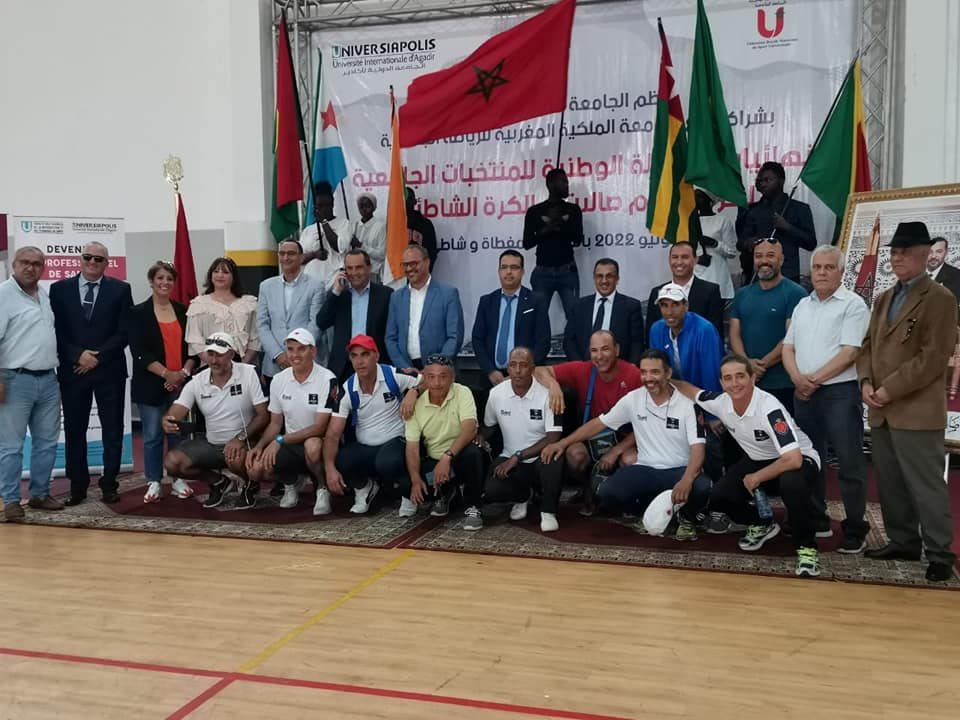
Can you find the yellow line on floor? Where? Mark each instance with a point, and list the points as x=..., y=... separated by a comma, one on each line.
x=270, y=650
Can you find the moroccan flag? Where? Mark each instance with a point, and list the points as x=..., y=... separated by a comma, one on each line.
x=867, y=276
x=712, y=163
x=288, y=129
x=328, y=161
x=516, y=75
x=671, y=198
x=185, y=286
x=397, y=235
x=838, y=164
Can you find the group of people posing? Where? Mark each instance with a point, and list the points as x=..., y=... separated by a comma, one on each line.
x=357, y=389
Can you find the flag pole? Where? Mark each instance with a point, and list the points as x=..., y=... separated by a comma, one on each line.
x=560, y=136
x=833, y=106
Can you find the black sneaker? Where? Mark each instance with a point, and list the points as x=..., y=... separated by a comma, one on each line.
x=277, y=489
x=824, y=530
x=852, y=545
x=248, y=495
x=217, y=491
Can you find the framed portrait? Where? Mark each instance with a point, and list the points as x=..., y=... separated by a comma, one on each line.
x=868, y=224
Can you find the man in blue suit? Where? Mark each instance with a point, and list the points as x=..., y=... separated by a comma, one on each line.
x=430, y=308
x=507, y=318
x=286, y=302
x=90, y=310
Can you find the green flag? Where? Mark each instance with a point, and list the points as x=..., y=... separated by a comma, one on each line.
x=712, y=161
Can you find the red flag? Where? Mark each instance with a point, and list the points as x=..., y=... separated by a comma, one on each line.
x=513, y=76
x=185, y=287
x=867, y=276
x=288, y=132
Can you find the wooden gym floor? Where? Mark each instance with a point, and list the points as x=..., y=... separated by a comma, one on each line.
x=98, y=624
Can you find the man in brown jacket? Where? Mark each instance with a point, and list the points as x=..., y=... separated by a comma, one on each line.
x=901, y=368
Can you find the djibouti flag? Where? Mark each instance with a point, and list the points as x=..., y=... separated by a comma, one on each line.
x=327, y=154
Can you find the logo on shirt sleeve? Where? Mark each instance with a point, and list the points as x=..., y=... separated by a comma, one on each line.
x=781, y=428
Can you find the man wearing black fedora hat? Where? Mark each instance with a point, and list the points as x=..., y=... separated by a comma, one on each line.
x=901, y=368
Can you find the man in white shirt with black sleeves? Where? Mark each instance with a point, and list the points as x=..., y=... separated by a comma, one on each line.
x=778, y=456
x=521, y=407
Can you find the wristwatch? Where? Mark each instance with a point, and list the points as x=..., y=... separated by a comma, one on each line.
x=447, y=452
x=279, y=439
x=519, y=455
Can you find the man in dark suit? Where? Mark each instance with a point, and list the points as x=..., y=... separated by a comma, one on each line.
x=940, y=270
x=354, y=306
x=507, y=318
x=606, y=309
x=90, y=310
x=703, y=297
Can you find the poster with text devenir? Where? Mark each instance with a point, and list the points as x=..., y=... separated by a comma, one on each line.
x=62, y=240
x=781, y=63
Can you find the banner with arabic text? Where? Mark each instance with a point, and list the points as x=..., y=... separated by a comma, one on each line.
x=781, y=62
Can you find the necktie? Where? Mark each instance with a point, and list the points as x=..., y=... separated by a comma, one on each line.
x=598, y=321
x=88, y=301
x=504, y=333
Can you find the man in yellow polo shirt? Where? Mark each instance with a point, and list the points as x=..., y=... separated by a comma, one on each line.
x=445, y=420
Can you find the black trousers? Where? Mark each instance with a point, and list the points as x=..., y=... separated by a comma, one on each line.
x=386, y=462
x=469, y=471
x=795, y=487
x=526, y=478
x=77, y=398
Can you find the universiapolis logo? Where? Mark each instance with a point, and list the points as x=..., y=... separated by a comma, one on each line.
x=97, y=228
x=43, y=227
x=386, y=56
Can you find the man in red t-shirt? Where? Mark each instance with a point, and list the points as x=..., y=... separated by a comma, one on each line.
x=614, y=379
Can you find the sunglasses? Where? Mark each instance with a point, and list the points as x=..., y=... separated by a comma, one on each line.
x=773, y=240
x=219, y=342
x=438, y=359
x=87, y=257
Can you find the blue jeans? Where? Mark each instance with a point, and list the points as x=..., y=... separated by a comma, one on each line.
x=31, y=401
x=632, y=488
x=564, y=280
x=834, y=413
x=151, y=419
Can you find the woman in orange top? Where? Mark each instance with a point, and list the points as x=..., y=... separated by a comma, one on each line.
x=161, y=366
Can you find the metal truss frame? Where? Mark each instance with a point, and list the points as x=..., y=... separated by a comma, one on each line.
x=877, y=35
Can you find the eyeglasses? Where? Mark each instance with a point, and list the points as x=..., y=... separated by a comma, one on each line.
x=87, y=257
x=410, y=264
x=219, y=342
x=772, y=240
x=438, y=359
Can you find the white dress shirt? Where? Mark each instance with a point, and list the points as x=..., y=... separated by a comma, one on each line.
x=607, y=309
x=417, y=298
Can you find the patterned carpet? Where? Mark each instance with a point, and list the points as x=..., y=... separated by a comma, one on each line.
x=597, y=539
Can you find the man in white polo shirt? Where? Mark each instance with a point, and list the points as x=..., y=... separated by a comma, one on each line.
x=302, y=397
x=819, y=352
x=670, y=447
x=521, y=408
x=371, y=407
x=778, y=456
x=229, y=396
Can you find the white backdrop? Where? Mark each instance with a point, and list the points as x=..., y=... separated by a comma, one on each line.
x=779, y=80
x=62, y=240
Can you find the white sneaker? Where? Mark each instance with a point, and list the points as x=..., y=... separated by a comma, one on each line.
x=548, y=522
x=322, y=505
x=518, y=511
x=408, y=508
x=181, y=489
x=362, y=497
x=291, y=497
x=153, y=492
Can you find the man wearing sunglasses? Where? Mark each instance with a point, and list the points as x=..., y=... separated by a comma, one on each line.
x=229, y=396
x=90, y=311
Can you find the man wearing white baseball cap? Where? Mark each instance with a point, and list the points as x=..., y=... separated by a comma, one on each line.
x=302, y=397
x=229, y=396
x=691, y=342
